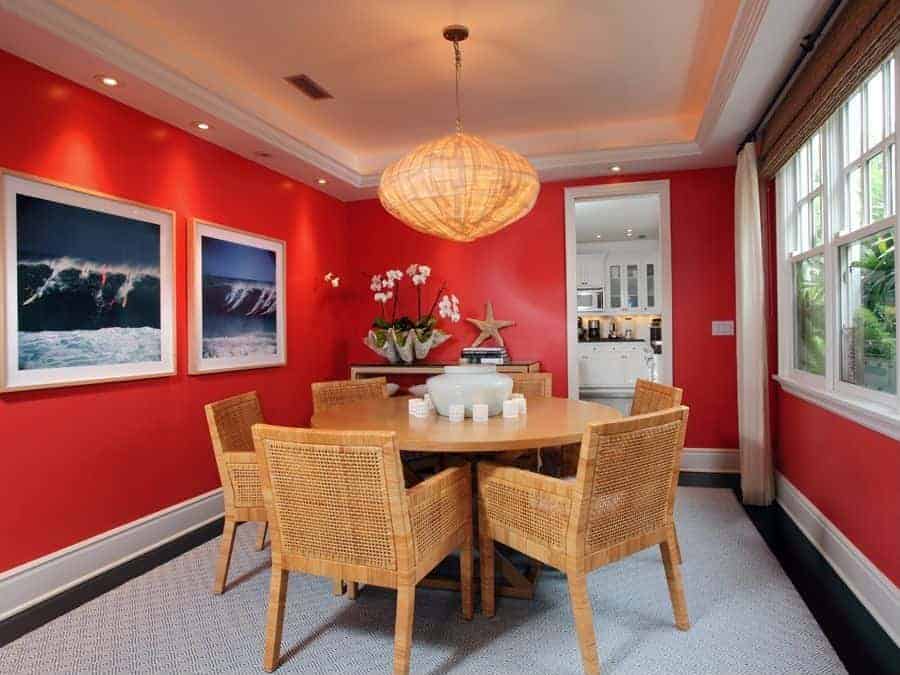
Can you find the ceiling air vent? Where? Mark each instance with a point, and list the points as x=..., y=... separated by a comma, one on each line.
x=309, y=87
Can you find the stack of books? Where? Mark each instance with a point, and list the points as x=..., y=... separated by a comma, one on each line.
x=490, y=355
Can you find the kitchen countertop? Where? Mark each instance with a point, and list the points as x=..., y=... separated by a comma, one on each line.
x=613, y=340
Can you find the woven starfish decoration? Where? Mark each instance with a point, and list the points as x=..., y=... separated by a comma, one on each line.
x=489, y=326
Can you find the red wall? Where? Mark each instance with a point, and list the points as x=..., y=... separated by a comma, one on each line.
x=82, y=460
x=851, y=473
x=522, y=271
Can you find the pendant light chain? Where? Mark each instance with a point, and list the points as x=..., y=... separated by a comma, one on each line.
x=458, y=57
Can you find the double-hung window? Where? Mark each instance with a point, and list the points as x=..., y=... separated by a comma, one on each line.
x=837, y=229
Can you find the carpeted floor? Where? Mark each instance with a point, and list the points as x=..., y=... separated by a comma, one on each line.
x=746, y=617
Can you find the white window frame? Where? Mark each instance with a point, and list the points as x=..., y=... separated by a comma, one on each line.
x=874, y=409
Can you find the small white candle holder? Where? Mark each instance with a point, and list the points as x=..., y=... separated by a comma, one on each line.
x=510, y=409
x=457, y=412
x=418, y=407
x=480, y=412
x=428, y=402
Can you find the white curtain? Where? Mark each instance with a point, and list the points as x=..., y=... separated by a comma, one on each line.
x=757, y=479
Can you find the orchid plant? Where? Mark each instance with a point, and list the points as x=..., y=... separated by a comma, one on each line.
x=390, y=335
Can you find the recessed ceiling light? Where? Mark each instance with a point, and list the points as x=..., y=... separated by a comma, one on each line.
x=202, y=126
x=107, y=80
x=599, y=236
x=615, y=168
x=322, y=181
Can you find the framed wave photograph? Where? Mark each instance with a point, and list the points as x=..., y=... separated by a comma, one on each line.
x=87, y=286
x=237, y=299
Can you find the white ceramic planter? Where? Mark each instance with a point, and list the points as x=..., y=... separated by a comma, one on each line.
x=469, y=385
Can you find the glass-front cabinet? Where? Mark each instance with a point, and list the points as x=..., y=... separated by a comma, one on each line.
x=615, y=287
x=650, y=286
x=632, y=286
x=632, y=283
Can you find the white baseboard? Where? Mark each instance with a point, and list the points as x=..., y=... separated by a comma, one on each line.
x=39, y=579
x=874, y=590
x=710, y=460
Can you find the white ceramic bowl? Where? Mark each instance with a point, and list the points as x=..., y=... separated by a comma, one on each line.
x=469, y=385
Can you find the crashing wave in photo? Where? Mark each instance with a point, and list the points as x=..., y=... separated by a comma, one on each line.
x=240, y=300
x=88, y=287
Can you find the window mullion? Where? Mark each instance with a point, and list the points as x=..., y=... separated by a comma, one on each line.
x=893, y=176
x=832, y=146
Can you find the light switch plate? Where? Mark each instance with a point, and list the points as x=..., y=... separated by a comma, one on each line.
x=723, y=327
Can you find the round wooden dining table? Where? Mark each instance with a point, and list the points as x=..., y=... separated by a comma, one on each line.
x=549, y=422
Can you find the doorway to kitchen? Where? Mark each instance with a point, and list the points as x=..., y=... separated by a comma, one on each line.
x=618, y=289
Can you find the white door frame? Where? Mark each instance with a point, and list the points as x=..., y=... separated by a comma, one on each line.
x=572, y=194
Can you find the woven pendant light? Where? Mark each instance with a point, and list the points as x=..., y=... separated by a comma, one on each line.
x=459, y=187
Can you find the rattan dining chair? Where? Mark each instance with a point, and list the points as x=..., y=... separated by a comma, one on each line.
x=653, y=396
x=338, y=507
x=648, y=397
x=326, y=395
x=530, y=385
x=229, y=423
x=621, y=501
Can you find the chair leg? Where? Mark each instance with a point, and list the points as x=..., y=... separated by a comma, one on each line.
x=275, y=619
x=352, y=590
x=678, y=559
x=486, y=551
x=584, y=622
x=466, y=572
x=224, y=555
x=406, y=604
x=261, y=536
x=669, y=550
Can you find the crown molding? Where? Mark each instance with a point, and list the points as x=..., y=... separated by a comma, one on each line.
x=64, y=24
x=743, y=33
x=75, y=30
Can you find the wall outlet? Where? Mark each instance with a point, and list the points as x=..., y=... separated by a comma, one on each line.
x=723, y=327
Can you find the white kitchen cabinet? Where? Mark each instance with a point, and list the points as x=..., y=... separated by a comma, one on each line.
x=650, y=293
x=632, y=284
x=611, y=365
x=589, y=270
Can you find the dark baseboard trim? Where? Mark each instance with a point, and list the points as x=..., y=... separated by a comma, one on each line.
x=17, y=625
x=859, y=640
x=730, y=481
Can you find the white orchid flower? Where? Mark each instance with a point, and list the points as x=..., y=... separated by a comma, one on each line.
x=328, y=276
x=387, y=283
x=388, y=296
x=454, y=299
x=425, y=269
x=454, y=317
x=335, y=281
x=412, y=269
x=375, y=284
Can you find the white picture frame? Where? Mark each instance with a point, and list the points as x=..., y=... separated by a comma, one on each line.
x=230, y=310
x=64, y=243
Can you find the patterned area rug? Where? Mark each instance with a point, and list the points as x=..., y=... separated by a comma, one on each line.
x=746, y=617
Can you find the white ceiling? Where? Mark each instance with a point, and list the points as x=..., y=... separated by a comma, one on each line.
x=612, y=217
x=576, y=86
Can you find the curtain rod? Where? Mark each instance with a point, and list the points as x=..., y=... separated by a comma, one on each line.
x=807, y=45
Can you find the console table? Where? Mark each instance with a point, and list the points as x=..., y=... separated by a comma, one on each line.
x=361, y=370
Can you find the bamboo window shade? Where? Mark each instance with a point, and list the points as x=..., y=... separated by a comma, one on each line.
x=861, y=36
